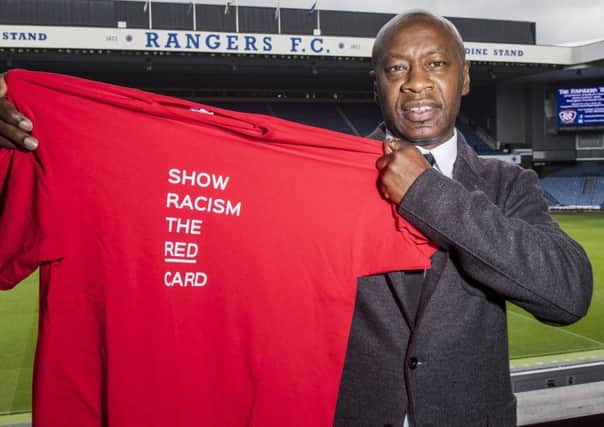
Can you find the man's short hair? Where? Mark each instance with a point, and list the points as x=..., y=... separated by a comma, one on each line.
x=410, y=18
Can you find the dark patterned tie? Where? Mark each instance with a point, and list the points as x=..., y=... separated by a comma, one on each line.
x=430, y=158
x=414, y=280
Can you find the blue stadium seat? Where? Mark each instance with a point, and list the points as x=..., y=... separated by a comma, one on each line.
x=581, y=184
x=475, y=141
x=569, y=190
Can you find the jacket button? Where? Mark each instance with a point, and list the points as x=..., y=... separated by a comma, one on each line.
x=413, y=363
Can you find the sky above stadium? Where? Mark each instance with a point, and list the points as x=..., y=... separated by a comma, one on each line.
x=558, y=21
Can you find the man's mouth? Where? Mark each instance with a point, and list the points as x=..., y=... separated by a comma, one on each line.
x=419, y=112
x=421, y=109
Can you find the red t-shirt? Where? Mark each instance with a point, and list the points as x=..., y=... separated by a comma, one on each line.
x=198, y=266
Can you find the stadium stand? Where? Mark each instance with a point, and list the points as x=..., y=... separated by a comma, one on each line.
x=481, y=147
x=320, y=115
x=581, y=184
x=550, y=199
x=358, y=118
x=566, y=190
x=245, y=107
x=364, y=116
x=574, y=191
x=591, y=168
x=323, y=115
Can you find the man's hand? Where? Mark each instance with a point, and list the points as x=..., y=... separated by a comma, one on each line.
x=399, y=167
x=15, y=128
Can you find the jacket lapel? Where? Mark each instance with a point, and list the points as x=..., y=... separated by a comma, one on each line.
x=439, y=262
x=465, y=171
x=400, y=292
x=397, y=281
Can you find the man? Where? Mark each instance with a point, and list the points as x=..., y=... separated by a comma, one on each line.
x=430, y=348
x=435, y=347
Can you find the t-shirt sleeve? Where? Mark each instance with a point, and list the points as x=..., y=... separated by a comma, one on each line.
x=25, y=240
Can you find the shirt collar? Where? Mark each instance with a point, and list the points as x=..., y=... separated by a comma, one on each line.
x=444, y=154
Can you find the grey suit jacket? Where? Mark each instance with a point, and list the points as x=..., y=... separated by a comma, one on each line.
x=448, y=366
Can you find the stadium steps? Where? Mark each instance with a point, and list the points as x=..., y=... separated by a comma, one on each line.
x=589, y=185
x=480, y=146
x=347, y=120
x=551, y=200
x=598, y=194
x=364, y=116
x=482, y=135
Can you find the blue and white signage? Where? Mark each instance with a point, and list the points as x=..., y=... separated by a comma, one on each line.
x=23, y=36
x=257, y=44
x=181, y=41
x=580, y=107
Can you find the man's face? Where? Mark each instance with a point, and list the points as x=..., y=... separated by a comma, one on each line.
x=419, y=81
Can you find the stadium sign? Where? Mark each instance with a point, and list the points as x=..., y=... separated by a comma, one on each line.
x=531, y=54
x=261, y=44
x=23, y=35
x=181, y=41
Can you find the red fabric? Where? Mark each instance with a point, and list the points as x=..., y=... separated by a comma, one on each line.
x=262, y=342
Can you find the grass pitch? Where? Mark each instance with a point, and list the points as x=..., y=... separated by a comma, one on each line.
x=18, y=332
x=528, y=338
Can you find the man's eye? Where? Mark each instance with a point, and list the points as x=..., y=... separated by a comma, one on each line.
x=395, y=68
x=437, y=64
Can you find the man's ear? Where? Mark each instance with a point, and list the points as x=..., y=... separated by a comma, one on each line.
x=466, y=79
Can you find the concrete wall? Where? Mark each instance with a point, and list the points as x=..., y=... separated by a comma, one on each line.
x=512, y=114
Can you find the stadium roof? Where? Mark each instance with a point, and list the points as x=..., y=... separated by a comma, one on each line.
x=558, y=22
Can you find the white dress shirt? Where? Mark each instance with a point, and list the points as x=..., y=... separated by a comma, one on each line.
x=444, y=155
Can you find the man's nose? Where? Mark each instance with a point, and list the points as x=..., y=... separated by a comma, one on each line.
x=417, y=81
